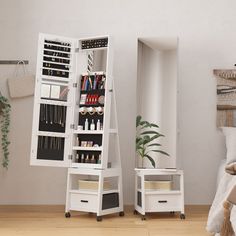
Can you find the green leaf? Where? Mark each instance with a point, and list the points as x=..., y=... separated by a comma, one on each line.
x=141, y=123
x=138, y=119
x=162, y=152
x=154, y=125
x=154, y=144
x=155, y=137
x=150, y=132
x=5, y=109
x=138, y=139
x=150, y=159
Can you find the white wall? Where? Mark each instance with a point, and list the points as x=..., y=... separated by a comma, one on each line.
x=207, y=41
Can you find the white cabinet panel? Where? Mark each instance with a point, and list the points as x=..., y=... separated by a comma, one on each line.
x=54, y=96
x=83, y=202
x=162, y=203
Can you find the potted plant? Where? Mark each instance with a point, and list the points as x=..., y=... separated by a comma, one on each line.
x=5, y=109
x=146, y=140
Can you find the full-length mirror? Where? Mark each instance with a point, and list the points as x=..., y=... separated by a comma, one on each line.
x=157, y=102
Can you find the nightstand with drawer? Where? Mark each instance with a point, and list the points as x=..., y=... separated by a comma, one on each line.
x=159, y=190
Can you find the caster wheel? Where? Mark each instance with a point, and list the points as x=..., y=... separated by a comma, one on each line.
x=99, y=218
x=135, y=212
x=172, y=212
x=121, y=213
x=67, y=215
x=182, y=216
x=143, y=217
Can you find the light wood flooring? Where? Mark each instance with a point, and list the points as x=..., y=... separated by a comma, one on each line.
x=50, y=221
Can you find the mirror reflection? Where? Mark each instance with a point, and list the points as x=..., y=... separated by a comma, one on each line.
x=157, y=102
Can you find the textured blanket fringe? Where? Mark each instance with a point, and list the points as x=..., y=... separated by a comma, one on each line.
x=227, y=229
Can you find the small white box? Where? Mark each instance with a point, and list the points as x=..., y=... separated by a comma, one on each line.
x=45, y=90
x=55, y=91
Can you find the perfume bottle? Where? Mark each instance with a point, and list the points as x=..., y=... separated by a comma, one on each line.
x=87, y=160
x=92, y=126
x=98, y=125
x=99, y=159
x=77, y=141
x=77, y=158
x=86, y=124
x=82, y=160
x=93, y=160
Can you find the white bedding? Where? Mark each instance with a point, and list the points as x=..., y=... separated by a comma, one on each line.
x=215, y=218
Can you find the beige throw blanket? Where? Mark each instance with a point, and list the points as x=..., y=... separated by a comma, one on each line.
x=220, y=213
x=227, y=229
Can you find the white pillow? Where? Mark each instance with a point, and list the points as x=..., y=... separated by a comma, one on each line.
x=230, y=136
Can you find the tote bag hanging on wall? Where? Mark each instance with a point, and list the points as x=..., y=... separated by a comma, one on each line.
x=21, y=85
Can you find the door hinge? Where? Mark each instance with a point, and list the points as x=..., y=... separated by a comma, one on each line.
x=70, y=157
x=75, y=85
x=72, y=126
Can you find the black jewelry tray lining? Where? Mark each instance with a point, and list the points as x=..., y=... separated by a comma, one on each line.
x=58, y=48
x=51, y=154
x=57, y=43
x=58, y=54
x=97, y=139
x=55, y=73
x=58, y=60
x=55, y=66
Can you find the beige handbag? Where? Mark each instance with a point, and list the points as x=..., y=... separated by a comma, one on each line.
x=21, y=86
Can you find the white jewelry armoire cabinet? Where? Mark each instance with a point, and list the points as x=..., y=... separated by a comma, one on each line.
x=75, y=121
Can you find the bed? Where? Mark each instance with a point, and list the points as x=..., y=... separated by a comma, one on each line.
x=225, y=183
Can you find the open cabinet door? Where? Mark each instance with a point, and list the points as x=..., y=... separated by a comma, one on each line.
x=53, y=101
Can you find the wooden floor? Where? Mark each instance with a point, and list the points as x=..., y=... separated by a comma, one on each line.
x=50, y=221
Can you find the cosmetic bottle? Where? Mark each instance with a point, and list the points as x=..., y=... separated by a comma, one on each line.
x=99, y=159
x=82, y=158
x=98, y=125
x=86, y=124
x=92, y=126
x=87, y=160
x=77, y=158
x=77, y=141
x=93, y=160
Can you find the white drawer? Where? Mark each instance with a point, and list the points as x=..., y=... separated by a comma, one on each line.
x=83, y=202
x=162, y=202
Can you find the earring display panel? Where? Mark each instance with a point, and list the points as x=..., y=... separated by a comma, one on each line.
x=56, y=58
x=52, y=118
x=94, y=43
x=50, y=148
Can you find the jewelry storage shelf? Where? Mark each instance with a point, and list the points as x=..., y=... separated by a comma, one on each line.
x=159, y=200
x=75, y=120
